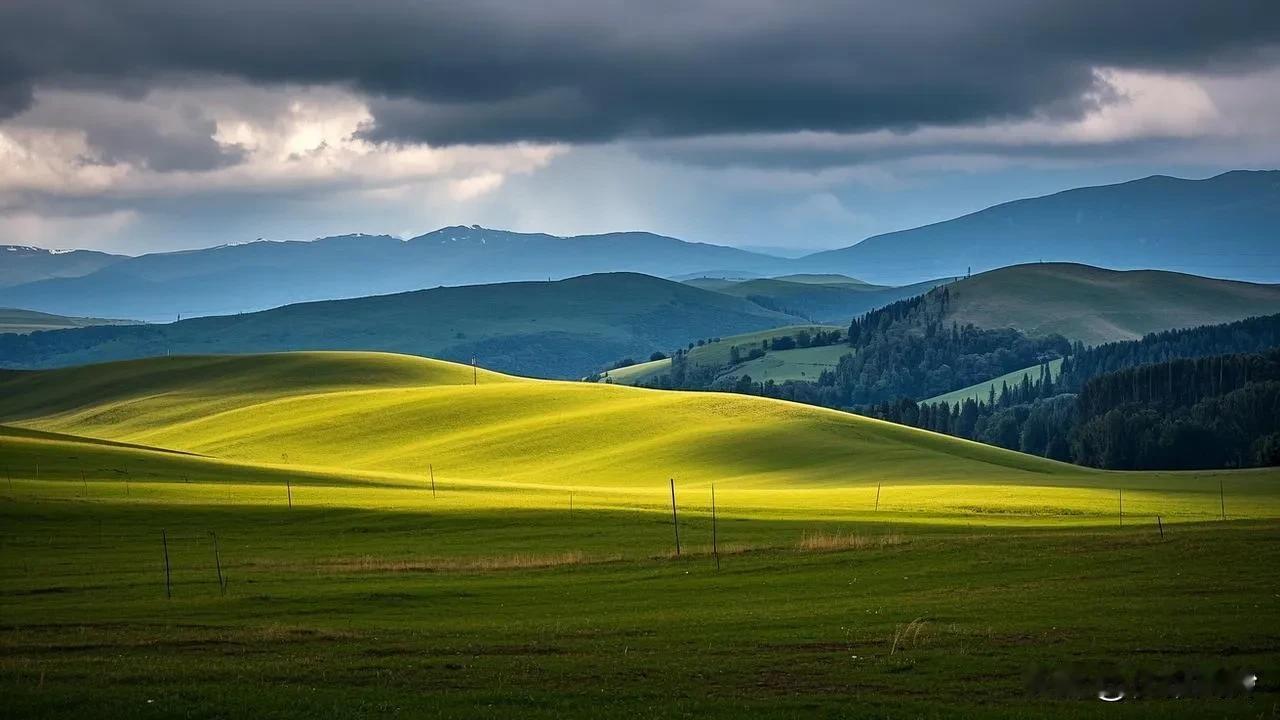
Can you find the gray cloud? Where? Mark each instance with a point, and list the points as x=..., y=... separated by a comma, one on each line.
x=191, y=150
x=482, y=72
x=162, y=139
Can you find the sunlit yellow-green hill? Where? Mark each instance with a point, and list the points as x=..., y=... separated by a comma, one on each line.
x=390, y=418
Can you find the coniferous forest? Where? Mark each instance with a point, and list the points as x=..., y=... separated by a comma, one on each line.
x=1204, y=397
x=1195, y=410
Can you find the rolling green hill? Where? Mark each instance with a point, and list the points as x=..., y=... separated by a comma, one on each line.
x=386, y=417
x=1096, y=305
x=567, y=328
x=638, y=373
x=13, y=320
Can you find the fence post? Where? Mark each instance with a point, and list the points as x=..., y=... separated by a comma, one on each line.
x=675, y=522
x=217, y=561
x=168, y=589
x=715, y=545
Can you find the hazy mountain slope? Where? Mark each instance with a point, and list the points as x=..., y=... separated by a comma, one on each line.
x=260, y=275
x=22, y=264
x=1096, y=305
x=837, y=302
x=567, y=328
x=1225, y=226
x=13, y=320
x=823, y=279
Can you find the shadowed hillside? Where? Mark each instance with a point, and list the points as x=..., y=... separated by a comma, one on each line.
x=1095, y=305
x=816, y=298
x=568, y=328
x=13, y=320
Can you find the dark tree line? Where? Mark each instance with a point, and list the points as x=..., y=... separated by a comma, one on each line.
x=769, y=303
x=1244, y=336
x=1220, y=411
x=1030, y=416
x=907, y=350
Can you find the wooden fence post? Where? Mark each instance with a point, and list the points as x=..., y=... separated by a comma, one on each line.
x=168, y=589
x=715, y=545
x=675, y=521
x=217, y=561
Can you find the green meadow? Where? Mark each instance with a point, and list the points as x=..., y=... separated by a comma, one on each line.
x=371, y=535
x=778, y=364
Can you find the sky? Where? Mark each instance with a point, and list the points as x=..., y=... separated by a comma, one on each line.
x=148, y=125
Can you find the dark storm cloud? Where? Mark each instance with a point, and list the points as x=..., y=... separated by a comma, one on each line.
x=492, y=72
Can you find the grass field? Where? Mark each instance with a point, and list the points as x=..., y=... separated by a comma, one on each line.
x=798, y=364
x=400, y=536
x=716, y=354
x=981, y=391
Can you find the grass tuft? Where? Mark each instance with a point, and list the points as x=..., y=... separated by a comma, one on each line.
x=822, y=541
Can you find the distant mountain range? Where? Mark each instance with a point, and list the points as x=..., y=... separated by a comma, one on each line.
x=21, y=264
x=258, y=275
x=1226, y=226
